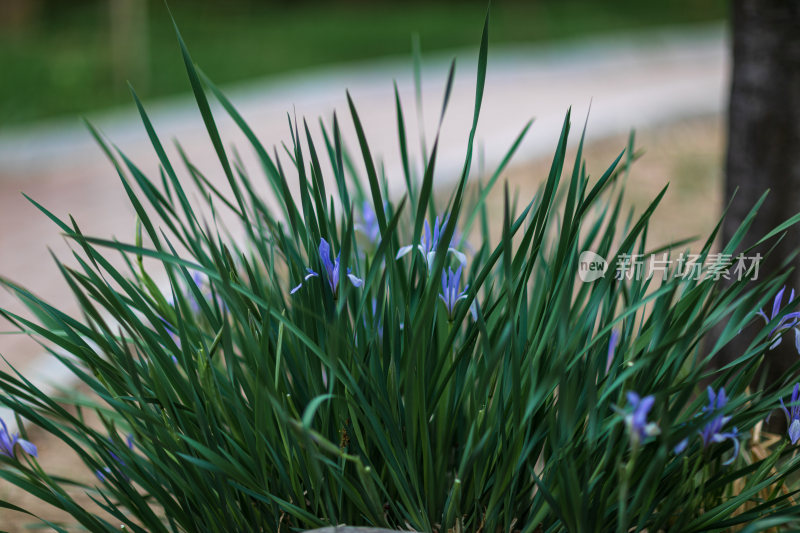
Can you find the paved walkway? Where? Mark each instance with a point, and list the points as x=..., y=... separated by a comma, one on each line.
x=636, y=81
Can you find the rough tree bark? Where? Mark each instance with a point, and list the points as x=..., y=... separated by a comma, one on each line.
x=764, y=140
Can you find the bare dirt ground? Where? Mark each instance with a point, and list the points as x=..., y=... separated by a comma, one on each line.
x=687, y=154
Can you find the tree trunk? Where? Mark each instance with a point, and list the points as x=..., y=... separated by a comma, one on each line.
x=764, y=142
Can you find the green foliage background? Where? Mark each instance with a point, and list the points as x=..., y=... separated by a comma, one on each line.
x=60, y=62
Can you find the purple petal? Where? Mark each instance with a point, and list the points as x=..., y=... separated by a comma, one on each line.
x=357, y=282
x=311, y=274
x=640, y=414
x=732, y=437
x=722, y=400
x=333, y=275
x=681, y=446
x=797, y=340
x=198, y=278
x=646, y=404
x=633, y=399
x=785, y=410
x=457, y=282
x=712, y=397
x=612, y=347
x=6, y=443
x=429, y=259
x=325, y=257
x=776, y=305
x=403, y=251
x=370, y=227
x=427, y=242
x=794, y=431
x=789, y=320
x=28, y=447
x=473, y=309
x=462, y=259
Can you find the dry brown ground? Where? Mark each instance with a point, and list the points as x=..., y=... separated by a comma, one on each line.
x=687, y=154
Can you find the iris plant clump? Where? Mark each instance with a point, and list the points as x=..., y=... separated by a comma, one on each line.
x=366, y=395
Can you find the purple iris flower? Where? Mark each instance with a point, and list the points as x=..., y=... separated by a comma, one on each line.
x=681, y=446
x=450, y=294
x=636, y=420
x=101, y=474
x=712, y=432
x=370, y=227
x=789, y=321
x=430, y=243
x=9, y=441
x=612, y=347
x=793, y=414
x=331, y=270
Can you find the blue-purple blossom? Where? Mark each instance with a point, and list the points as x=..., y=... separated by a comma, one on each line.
x=451, y=295
x=713, y=432
x=612, y=347
x=101, y=474
x=681, y=446
x=331, y=270
x=789, y=321
x=793, y=414
x=370, y=226
x=430, y=243
x=9, y=441
x=636, y=419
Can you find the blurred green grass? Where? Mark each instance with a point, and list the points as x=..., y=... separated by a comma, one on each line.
x=63, y=64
